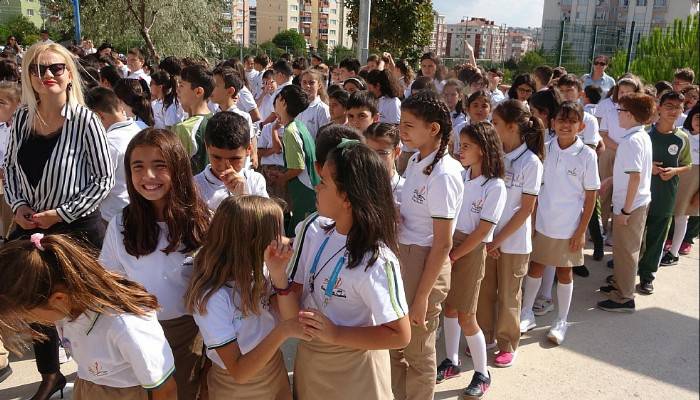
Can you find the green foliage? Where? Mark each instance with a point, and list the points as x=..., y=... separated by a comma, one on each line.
x=290, y=39
x=530, y=61
x=401, y=27
x=617, y=64
x=24, y=30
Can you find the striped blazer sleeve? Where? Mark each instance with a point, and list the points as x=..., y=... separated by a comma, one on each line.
x=12, y=185
x=100, y=166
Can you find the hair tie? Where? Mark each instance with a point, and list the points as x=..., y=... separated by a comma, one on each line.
x=347, y=143
x=529, y=123
x=36, y=240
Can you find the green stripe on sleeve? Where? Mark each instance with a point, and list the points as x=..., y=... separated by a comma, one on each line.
x=393, y=288
x=161, y=380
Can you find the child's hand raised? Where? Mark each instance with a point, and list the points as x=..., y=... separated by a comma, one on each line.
x=234, y=181
x=277, y=256
x=318, y=326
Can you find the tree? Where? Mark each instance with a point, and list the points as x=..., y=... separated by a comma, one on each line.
x=24, y=30
x=290, y=40
x=401, y=27
x=530, y=61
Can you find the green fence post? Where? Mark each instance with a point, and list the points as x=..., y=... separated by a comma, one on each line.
x=629, y=48
x=561, y=42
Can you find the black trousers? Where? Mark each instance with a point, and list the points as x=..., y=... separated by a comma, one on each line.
x=89, y=229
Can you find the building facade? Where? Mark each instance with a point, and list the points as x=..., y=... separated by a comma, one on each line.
x=486, y=38
x=31, y=9
x=517, y=44
x=438, y=38
x=253, y=13
x=237, y=17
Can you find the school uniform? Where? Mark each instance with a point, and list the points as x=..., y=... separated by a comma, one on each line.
x=389, y=109
x=191, y=134
x=458, y=118
x=671, y=150
x=498, y=311
x=272, y=164
x=213, y=191
x=316, y=115
x=591, y=137
x=267, y=106
x=497, y=97
x=118, y=137
x=689, y=183
x=119, y=356
x=397, y=182
x=423, y=198
x=166, y=276
x=309, y=227
x=300, y=153
x=456, y=135
x=591, y=133
x=246, y=101
x=634, y=155
x=165, y=118
x=606, y=111
x=484, y=200
x=367, y=295
x=224, y=323
x=568, y=174
x=139, y=74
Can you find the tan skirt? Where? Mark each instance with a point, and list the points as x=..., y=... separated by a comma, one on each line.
x=554, y=252
x=271, y=383
x=183, y=336
x=86, y=390
x=323, y=371
x=687, y=188
x=466, y=276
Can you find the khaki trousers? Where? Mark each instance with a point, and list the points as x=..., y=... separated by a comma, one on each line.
x=183, y=336
x=605, y=170
x=414, y=368
x=628, y=243
x=86, y=390
x=498, y=312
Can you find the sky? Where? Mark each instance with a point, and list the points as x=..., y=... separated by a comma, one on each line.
x=517, y=13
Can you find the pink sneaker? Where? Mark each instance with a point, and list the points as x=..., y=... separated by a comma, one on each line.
x=685, y=249
x=504, y=359
x=667, y=245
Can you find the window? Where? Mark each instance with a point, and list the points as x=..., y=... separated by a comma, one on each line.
x=294, y=7
x=624, y=3
x=227, y=29
x=239, y=25
x=641, y=3
x=331, y=42
x=294, y=19
x=280, y=18
x=334, y=22
x=334, y=11
x=333, y=32
x=659, y=3
x=30, y=12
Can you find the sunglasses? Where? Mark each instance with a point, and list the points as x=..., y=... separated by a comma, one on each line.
x=39, y=70
x=602, y=64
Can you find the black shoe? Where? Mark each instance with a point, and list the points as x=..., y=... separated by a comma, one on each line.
x=478, y=386
x=611, y=264
x=581, y=271
x=645, y=287
x=610, y=279
x=611, y=306
x=668, y=259
x=447, y=370
x=5, y=373
x=607, y=289
x=50, y=384
x=598, y=251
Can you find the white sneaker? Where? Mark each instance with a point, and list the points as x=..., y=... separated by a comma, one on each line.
x=527, y=321
x=542, y=306
x=557, y=333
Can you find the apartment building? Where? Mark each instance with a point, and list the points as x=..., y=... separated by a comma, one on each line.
x=486, y=38
x=438, y=38
x=237, y=18
x=29, y=8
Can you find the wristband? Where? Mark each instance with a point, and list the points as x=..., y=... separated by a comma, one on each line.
x=285, y=291
x=622, y=210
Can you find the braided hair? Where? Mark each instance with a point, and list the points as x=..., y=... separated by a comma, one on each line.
x=426, y=105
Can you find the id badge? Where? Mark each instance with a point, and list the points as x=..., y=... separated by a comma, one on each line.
x=508, y=179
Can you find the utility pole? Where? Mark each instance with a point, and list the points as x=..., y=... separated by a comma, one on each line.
x=76, y=20
x=363, y=31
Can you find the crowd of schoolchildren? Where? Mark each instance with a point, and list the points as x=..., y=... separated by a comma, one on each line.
x=171, y=227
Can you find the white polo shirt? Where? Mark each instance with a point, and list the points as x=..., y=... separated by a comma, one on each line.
x=389, y=109
x=224, y=322
x=523, y=176
x=267, y=106
x=118, y=350
x=591, y=133
x=140, y=74
x=246, y=101
x=118, y=137
x=634, y=154
x=424, y=197
x=315, y=116
x=307, y=228
x=609, y=120
x=363, y=296
x=397, y=182
x=163, y=275
x=213, y=191
x=457, y=118
x=456, y=131
x=694, y=147
x=265, y=142
x=568, y=174
x=484, y=199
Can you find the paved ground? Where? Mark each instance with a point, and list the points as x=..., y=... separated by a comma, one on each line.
x=651, y=354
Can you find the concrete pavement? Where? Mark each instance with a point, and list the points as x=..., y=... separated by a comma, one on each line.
x=651, y=354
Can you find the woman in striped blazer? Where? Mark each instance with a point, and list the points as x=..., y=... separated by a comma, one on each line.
x=58, y=170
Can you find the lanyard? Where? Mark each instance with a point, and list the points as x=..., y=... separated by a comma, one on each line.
x=328, y=293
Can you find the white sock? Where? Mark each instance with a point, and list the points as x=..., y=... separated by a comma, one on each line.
x=547, y=282
x=680, y=225
x=564, y=293
x=452, y=333
x=530, y=288
x=477, y=347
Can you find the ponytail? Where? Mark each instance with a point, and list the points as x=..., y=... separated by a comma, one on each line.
x=134, y=95
x=533, y=136
x=530, y=127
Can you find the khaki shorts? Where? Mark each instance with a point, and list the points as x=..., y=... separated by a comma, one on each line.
x=271, y=383
x=555, y=252
x=86, y=390
x=467, y=274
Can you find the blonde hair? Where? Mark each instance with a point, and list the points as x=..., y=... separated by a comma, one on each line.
x=321, y=83
x=233, y=251
x=12, y=90
x=29, y=97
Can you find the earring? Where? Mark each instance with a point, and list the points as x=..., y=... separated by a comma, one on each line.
x=69, y=87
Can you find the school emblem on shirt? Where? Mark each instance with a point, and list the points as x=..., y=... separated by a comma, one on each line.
x=337, y=290
x=419, y=195
x=97, y=370
x=673, y=149
x=477, y=206
x=572, y=172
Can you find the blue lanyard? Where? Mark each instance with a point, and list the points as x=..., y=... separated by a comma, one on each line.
x=328, y=293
